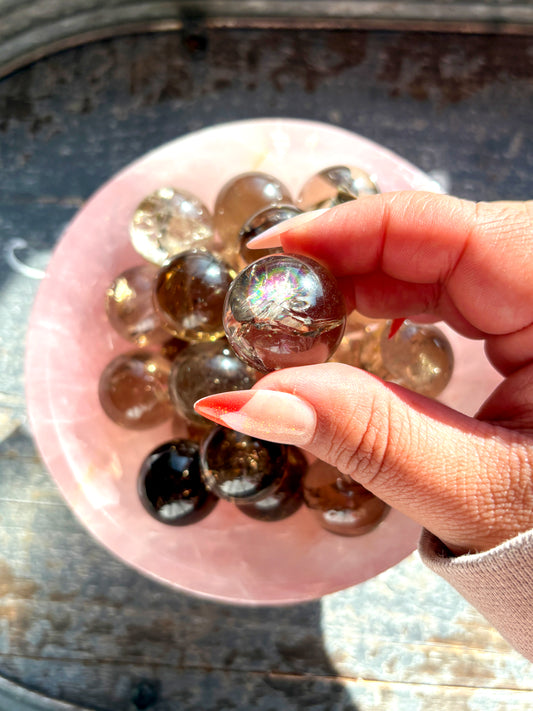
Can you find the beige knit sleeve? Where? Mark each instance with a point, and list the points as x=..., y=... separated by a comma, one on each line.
x=498, y=582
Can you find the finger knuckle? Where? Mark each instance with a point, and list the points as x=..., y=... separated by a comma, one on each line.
x=361, y=448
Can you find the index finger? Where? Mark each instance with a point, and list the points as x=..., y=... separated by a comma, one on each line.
x=444, y=253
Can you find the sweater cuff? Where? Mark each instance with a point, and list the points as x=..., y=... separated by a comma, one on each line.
x=498, y=582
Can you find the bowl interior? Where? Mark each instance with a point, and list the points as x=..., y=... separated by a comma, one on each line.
x=227, y=556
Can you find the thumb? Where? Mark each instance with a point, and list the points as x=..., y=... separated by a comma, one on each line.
x=466, y=481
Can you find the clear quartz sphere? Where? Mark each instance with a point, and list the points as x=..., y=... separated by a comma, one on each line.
x=358, y=332
x=189, y=295
x=204, y=369
x=170, y=485
x=367, y=350
x=240, y=468
x=361, y=345
x=284, y=310
x=130, y=308
x=335, y=185
x=133, y=390
x=419, y=357
x=240, y=198
x=170, y=221
x=341, y=505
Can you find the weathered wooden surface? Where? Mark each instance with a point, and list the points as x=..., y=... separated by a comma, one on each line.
x=76, y=625
x=31, y=29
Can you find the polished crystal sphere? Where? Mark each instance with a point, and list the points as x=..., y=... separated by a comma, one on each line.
x=257, y=224
x=189, y=295
x=418, y=357
x=170, y=221
x=170, y=486
x=204, y=369
x=284, y=310
x=366, y=349
x=287, y=498
x=239, y=468
x=133, y=390
x=355, y=335
x=341, y=505
x=130, y=307
x=240, y=198
x=171, y=347
x=335, y=185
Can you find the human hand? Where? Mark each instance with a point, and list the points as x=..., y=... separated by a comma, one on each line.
x=467, y=480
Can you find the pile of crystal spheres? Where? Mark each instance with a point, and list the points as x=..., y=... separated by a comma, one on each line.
x=204, y=314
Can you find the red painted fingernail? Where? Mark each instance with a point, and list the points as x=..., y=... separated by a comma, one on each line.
x=395, y=326
x=267, y=414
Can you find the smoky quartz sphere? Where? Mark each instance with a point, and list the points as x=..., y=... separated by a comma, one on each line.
x=419, y=357
x=170, y=485
x=287, y=498
x=170, y=221
x=240, y=468
x=334, y=186
x=284, y=310
x=203, y=369
x=133, y=390
x=130, y=308
x=257, y=224
x=189, y=295
x=243, y=196
x=341, y=505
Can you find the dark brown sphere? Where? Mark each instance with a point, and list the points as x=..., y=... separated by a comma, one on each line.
x=170, y=486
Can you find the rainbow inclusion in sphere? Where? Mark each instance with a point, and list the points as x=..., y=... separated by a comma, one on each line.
x=240, y=468
x=170, y=485
x=284, y=310
x=189, y=295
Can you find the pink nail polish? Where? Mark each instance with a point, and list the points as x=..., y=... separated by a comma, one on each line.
x=266, y=414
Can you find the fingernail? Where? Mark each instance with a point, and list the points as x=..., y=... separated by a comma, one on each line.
x=270, y=238
x=266, y=414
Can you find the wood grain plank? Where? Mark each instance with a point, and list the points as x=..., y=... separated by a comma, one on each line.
x=31, y=30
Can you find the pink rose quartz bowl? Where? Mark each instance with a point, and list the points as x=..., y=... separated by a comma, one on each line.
x=228, y=556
